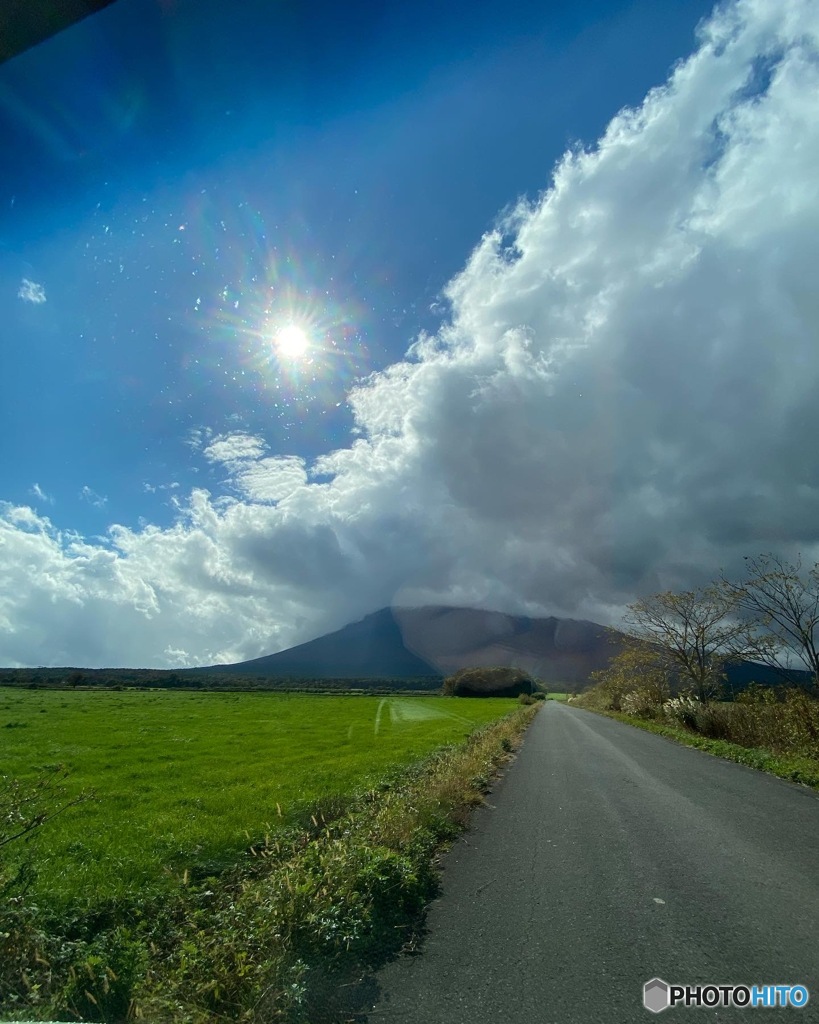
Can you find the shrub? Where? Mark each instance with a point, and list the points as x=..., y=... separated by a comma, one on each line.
x=756, y=693
x=489, y=682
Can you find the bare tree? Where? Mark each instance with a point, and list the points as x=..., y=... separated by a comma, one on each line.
x=697, y=631
x=781, y=601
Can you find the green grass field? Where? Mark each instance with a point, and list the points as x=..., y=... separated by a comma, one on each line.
x=186, y=781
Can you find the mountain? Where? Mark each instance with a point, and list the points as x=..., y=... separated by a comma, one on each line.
x=743, y=673
x=436, y=641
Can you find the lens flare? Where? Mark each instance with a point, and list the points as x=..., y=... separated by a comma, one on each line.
x=284, y=334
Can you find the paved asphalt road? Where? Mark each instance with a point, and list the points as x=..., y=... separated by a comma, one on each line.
x=608, y=856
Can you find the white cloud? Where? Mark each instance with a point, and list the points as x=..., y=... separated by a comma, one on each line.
x=30, y=291
x=153, y=488
x=177, y=658
x=37, y=492
x=271, y=479
x=252, y=474
x=91, y=496
x=234, y=447
x=622, y=399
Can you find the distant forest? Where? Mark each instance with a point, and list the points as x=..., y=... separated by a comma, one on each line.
x=163, y=679
x=739, y=677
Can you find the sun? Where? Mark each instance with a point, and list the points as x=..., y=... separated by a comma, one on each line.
x=292, y=341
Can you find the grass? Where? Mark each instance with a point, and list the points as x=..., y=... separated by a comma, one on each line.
x=186, y=781
x=557, y=696
x=290, y=931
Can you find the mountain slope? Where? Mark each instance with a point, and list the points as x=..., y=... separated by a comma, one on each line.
x=555, y=650
x=372, y=647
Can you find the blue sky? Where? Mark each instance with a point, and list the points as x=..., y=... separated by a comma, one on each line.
x=172, y=160
x=306, y=312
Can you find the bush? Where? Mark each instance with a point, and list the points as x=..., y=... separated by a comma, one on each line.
x=489, y=682
x=526, y=698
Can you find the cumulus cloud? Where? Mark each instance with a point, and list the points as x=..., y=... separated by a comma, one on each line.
x=621, y=399
x=30, y=291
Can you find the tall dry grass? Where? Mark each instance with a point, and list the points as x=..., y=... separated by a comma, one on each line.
x=783, y=721
x=785, y=724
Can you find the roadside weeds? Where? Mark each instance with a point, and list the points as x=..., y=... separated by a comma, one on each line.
x=791, y=767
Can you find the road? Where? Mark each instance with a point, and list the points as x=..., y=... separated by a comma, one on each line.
x=607, y=856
